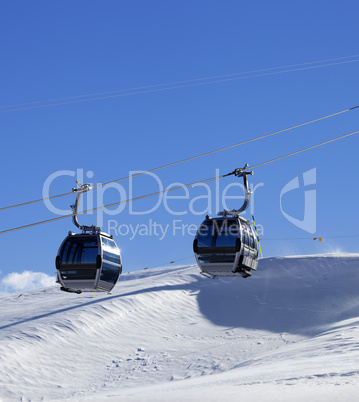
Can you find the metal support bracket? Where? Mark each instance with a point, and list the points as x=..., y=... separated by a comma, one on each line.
x=83, y=188
x=239, y=172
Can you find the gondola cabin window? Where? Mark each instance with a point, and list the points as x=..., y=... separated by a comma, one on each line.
x=79, y=251
x=205, y=235
x=227, y=235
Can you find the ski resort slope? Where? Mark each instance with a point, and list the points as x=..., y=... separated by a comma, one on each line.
x=290, y=332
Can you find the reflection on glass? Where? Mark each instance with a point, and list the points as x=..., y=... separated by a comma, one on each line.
x=79, y=251
x=204, y=237
x=115, y=258
x=109, y=274
x=89, y=254
x=226, y=237
x=218, y=233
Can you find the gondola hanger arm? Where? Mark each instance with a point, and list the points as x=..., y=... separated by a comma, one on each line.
x=239, y=172
x=82, y=189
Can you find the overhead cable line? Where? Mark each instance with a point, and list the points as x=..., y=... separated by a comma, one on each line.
x=232, y=146
x=303, y=150
x=180, y=84
x=174, y=188
x=187, y=159
x=111, y=205
x=308, y=238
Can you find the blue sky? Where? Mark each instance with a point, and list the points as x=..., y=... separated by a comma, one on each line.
x=68, y=49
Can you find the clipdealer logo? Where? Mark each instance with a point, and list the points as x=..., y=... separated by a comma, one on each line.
x=309, y=221
x=211, y=200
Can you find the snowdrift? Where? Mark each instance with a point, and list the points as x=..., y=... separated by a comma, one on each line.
x=170, y=333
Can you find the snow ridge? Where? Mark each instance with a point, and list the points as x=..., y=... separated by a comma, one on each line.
x=169, y=333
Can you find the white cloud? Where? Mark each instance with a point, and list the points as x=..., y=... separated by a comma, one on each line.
x=27, y=280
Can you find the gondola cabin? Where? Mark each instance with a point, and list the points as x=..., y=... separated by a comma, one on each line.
x=226, y=247
x=88, y=262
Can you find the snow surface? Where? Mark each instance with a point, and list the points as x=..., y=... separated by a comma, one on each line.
x=291, y=332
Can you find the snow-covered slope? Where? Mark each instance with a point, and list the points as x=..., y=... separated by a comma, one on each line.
x=290, y=331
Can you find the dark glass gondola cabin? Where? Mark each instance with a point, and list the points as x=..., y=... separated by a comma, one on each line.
x=88, y=262
x=227, y=245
